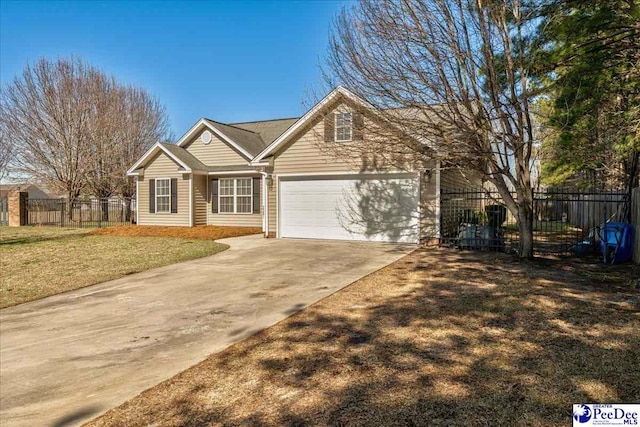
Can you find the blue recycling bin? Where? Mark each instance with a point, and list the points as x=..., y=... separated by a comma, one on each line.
x=616, y=242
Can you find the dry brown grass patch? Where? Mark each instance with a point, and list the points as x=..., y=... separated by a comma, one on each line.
x=211, y=232
x=438, y=338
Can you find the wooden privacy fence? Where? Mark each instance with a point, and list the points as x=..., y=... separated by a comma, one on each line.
x=81, y=213
x=581, y=209
x=4, y=211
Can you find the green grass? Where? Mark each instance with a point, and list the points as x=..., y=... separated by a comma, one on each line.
x=36, y=262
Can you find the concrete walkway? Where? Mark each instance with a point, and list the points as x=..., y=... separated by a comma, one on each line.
x=68, y=358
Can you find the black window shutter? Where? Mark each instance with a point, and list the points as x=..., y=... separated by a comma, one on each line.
x=256, y=195
x=329, y=127
x=174, y=195
x=358, y=126
x=214, y=195
x=152, y=196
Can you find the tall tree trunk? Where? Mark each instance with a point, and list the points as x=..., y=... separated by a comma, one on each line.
x=104, y=203
x=127, y=209
x=525, y=228
x=71, y=198
x=633, y=170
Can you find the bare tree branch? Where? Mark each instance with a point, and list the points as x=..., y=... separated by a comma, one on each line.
x=453, y=73
x=77, y=130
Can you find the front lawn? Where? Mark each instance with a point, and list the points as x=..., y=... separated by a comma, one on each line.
x=36, y=262
x=438, y=338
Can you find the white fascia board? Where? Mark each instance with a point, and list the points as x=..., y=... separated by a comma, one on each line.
x=202, y=123
x=136, y=165
x=243, y=172
x=301, y=122
x=349, y=173
x=315, y=109
x=153, y=150
x=258, y=164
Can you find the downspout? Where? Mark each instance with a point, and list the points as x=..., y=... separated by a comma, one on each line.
x=137, y=200
x=191, y=209
x=265, y=204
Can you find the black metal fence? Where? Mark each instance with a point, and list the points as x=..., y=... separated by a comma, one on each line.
x=81, y=213
x=563, y=220
x=4, y=211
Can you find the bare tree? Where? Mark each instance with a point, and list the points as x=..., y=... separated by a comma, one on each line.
x=143, y=121
x=102, y=138
x=46, y=113
x=452, y=75
x=78, y=130
x=6, y=153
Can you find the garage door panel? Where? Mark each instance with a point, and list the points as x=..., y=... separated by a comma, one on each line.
x=363, y=208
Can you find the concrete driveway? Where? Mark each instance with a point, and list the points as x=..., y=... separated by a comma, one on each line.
x=70, y=357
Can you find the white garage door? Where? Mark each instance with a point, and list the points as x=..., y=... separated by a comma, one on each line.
x=382, y=208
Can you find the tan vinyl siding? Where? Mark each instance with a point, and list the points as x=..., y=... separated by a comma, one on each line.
x=303, y=155
x=235, y=220
x=309, y=153
x=162, y=166
x=216, y=153
x=199, y=200
x=455, y=179
x=306, y=154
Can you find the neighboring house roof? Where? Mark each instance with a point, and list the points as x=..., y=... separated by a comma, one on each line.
x=268, y=130
x=34, y=191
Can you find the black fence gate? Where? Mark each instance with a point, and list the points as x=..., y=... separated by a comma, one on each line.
x=81, y=213
x=563, y=219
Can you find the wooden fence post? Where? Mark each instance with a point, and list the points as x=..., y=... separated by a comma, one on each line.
x=18, y=208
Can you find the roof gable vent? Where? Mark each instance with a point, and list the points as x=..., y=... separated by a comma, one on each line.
x=206, y=137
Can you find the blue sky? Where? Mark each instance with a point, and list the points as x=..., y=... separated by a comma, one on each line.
x=229, y=61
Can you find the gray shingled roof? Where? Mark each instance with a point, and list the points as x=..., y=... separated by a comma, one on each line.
x=185, y=157
x=248, y=140
x=195, y=164
x=268, y=130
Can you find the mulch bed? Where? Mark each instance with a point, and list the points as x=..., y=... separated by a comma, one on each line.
x=438, y=338
x=201, y=232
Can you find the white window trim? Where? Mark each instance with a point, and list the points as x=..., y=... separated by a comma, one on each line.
x=235, y=196
x=335, y=127
x=156, y=195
